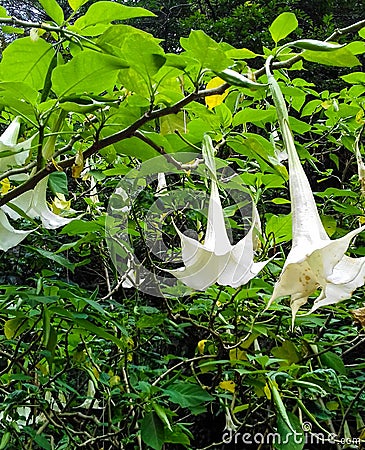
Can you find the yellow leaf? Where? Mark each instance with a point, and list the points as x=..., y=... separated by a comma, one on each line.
x=60, y=204
x=201, y=346
x=237, y=354
x=215, y=100
x=360, y=117
x=228, y=386
x=13, y=327
x=59, y=168
x=79, y=164
x=5, y=186
x=267, y=389
x=332, y=405
x=267, y=392
x=79, y=356
x=326, y=104
x=43, y=368
x=96, y=372
x=114, y=380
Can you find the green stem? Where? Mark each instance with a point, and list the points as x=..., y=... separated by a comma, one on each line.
x=306, y=221
x=44, y=26
x=39, y=148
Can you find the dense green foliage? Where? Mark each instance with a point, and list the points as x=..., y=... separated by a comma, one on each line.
x=86, y=361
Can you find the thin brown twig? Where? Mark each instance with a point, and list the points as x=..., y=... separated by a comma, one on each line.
x=110, y=140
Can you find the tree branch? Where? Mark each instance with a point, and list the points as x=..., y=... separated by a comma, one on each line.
x=110, y=140
x=169, y=158
x=148, y=116
x=45, y=26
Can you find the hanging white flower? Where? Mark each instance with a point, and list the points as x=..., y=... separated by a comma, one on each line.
x=34, y=204
x=9, y=236
x=217, y=261
x=8, y=144
x=314, y=261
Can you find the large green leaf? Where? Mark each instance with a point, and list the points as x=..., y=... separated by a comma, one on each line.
x=152, y=431
x=58, y=259
x=187, y=395
x=144, y=55
x=339, y=58
x=54, y=10
x=280, y=227
x=28, y=61
x=259, y=148
x=289, y=439
x=3, y=12
x=145, y=58
x=14, y=327
x=136, y=148
x=140, y=50
x=205, y=50
x=57, y=182
x=282, y=26
x=105, y=12
x=99, y=331
x=78, y=226
x=354, y=78
x=19, y=90
x=172, y=123
x=88, y=71
x=254, y=115
x=333, y=361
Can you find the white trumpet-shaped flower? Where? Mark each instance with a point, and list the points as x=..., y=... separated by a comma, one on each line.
x=314, y=261
x=9, y=138
x=9, y=236
x=34, y=204
x=217, y=261
x=15, y=154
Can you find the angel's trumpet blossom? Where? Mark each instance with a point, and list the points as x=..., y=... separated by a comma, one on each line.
x=34, y=204
x=9, y=236
x=314, y=261
x=217, y=261
x=11, y=153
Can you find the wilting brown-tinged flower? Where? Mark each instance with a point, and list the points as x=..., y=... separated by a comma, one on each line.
x=314, y=261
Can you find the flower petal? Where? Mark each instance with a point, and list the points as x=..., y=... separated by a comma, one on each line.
x=9, y=236
x=314, y=260
x=204, y=272
x=241, y=268
x=189, y=248
x=34, y=205
x=306, y=221
x=217, y=261
x=216, y=238
x=10, y=136
x=348, y=275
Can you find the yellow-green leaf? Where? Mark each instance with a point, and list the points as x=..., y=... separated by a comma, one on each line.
x=329, y=223
x=13, y=327
x=282, y=26
x=339, y=58
x=76, y=4
x=54, y=10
